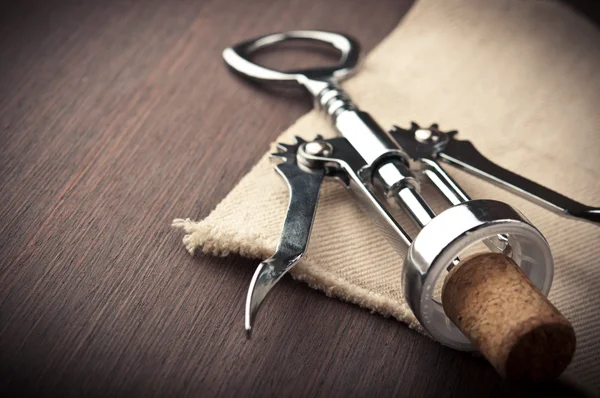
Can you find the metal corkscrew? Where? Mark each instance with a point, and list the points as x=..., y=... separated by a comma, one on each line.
x=385, y=168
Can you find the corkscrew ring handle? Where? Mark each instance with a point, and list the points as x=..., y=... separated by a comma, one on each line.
x=238, y=57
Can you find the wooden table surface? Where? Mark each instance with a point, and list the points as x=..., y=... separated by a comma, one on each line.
x=115, y=118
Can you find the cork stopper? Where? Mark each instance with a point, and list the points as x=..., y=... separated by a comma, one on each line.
x=507, y=318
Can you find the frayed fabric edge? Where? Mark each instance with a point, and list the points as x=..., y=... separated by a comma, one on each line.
x=209, y=238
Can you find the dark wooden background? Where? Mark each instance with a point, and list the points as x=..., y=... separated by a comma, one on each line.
x=115, y=118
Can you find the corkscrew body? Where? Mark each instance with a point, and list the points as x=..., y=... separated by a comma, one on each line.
x=384, y=168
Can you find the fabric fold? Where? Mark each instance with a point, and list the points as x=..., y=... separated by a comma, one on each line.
x=520, y=79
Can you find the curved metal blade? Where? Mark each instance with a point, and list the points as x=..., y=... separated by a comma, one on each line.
x=304, y=194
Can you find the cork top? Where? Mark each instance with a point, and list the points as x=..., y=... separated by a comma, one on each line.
x=507, y=318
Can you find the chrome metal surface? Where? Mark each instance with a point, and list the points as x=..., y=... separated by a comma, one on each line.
x=422, y=145
x=418, y=144
x=304, y=190
x=371, y=163
x=318, y=148
x=416, y=206
x=443, y=182
x=346, y=164
x=237, y=57
x=370, y=140
x=463, y=154
x=452, y=232
x=367, y=138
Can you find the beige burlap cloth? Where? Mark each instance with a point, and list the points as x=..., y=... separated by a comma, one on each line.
x=520, y=79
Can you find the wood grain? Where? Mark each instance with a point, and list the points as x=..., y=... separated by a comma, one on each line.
x=115, y=118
